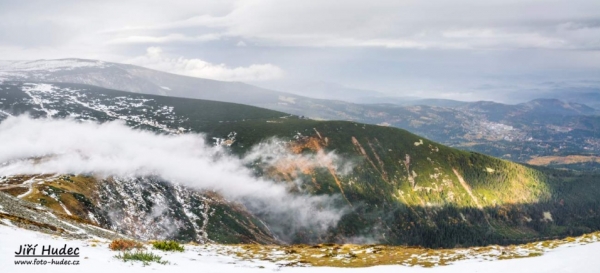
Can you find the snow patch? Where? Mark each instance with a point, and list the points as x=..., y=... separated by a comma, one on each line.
x=547, y=216
x=4, y=113
x=96, y=257
x=291, y=100
x=39, y=87
x=65, y=208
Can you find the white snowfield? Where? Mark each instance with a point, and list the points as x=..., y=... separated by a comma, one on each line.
x=96, y=257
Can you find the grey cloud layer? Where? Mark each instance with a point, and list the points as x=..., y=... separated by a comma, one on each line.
x=405, y=24
x=356, y=43
x=402, y=24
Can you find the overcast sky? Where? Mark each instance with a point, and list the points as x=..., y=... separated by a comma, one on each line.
x=457, y=49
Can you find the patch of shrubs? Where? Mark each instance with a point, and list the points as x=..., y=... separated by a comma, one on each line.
x=167, y=246
x=145, y=257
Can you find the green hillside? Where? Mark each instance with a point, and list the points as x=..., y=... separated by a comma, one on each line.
x=405, y=192
x=402, y=189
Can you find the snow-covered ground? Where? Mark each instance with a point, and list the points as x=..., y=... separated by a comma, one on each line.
x=53, y=99
x=96, y=257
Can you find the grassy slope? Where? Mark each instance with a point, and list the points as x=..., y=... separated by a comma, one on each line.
x=506, y=205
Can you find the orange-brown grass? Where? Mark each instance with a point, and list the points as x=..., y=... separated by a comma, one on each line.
x=124, y=245
x=26, y=223
x=16, y=191
x=370, y=255
x=570, y=159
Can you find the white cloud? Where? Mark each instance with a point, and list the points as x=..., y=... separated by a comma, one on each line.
x=63, y=146
x=135, y=39
x=155, y=59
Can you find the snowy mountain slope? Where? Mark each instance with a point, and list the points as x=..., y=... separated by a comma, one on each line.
x=82, y=102
x=139, y=207
x=135, y=79
x=49, y=65
x=96, y=257
x=16, y=212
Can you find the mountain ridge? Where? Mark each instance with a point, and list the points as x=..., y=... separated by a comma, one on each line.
x=401, y=188
x=520, y=132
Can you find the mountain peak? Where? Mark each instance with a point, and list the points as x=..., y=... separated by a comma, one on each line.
x=51, y=65
x=558, y=106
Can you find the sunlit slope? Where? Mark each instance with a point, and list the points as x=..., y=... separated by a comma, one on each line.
x=407, y=189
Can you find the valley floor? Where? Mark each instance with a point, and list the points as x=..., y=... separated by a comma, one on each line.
x=96, y=257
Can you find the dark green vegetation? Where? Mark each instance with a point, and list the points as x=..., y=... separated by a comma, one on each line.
x=403, y=189
x=168, y=246
x=509, y=203
x=142, y=256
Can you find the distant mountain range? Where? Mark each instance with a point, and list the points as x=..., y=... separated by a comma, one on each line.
x=327, y=91
x=521, y=132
